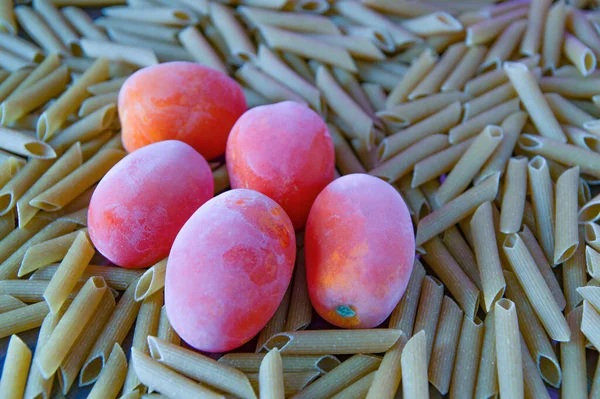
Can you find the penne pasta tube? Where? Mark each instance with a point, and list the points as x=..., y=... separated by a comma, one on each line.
x=492, y=116
x=7, y=19
x=456, y=210
x=470, y=163
x=250, y=362
x=487, y=377
x=91, y=147
x=38, y=30
x=277, y=322
x=514, y=197
x=84, y=25
x=530, y=94
x=566, y=112
x=359, y=47
x=266, y=86
x=401, y=164
x=583, y=29
x=441, y=71
x=346, y=160
x=8, y=303
x=151, y=281
x=533, y=383
x=590, y=324
x=45, y=68
x=566, y=225
x=238, y=43
x=94, y=103
x=358, y=389
x=435, y=23
x=155, y=32
x=504, y=45
x=20, y=183
x=137, y=56
x=488, y=29
x=333, y=341
x=17, y=237
x=156, y=15
x=45, y=253
x=12, y=62
x=418, y=70
x=467, y=356
x=532, y=40
x=78, y=181
x=380, y=73
x=488, y=258
x=488, y=100
x=508, y=350
x=70, y=325
x=300, y=308
x=592, y=260
x=590, y=212
x=445, y=345
x=203, y=368
x=540, y=184
x=572, y=355
x=57, y=24
x=388, y=376
x=553, y=35
x=16, y=366
x=299, y=65
x=110, y=86
x=20, y=48
x=461, y=252
x=270, y=377
x=25, y=144
x=165, y=329
x=376, y=95
x=298, y=22
x=307, y=47
x=439, y=163
x=343, y=375
x=414, y=368
x=162, y=379
x=495, y=78
x=23, y=319
x=404, y=315
x=9, y=84
x=430, y=303
x=112, y=377
x=572, y=87
x=87, y=128
x=592, y=235
x=579, y=54
x=361, y=125
x=582, y=138
x=465, y=69
x=535, y=287
x=404, y=9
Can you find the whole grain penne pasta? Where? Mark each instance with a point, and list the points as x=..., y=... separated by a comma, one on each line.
x=25, y=144
x=553, y=35
x=542, y=198
x=535, y=287
x=334, y=341
x=57, y=23
x=572, y=87
x=514, y=197
x=488, y=259
x=342, y=104
x=470, y=163
x=71, y=324
x=531, y=95
x=78, y=181
x=83, y=24
x=504, y=45
x=465, y=69
x=115, y=331
x=146, y=324
x=457, y=209
x=267, y=86
x=445, y=345
x=492, y=116
x=583, y=29
x=162, y=379
x=202, y=368
x=434, y=80
x=388, y=376
x=439, y=163
x=532, y=40
x=21, y=48
x=70, y=366
x=488, y=100
x=467, y=356
x=38, y=30
x=579, y=54
x=402, y=9
x=592, y=235
x=343, y=375
x=592, y=261
x=270, y=376
x=508, y=350
x=20, y=183
x=488, y=29
x=308, y=47
x=151, y=281
x=293, y=383
x=574, y=274
x=112, y=377
x=533, y=383
x=23, y=319
x=572, y=355
x=250, y=362
x=358, y=389
x=414, y=367
x=566, y=225
x=298, y=22
x=138, y=56
x=461, y=251
x=165, y=329
x=428, y=311
x=277, y=322
x=566, y=112
x=590, y=324
x=590, y=212
x=16, y=366
x=487, y=376
x=418, y=70
x=404, y=315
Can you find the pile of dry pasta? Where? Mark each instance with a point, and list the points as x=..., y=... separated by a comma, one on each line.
x=485, y=117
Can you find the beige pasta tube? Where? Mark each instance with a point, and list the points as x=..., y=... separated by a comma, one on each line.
x=54, y=117
x=592, y=235
x=504, y=46
x=572, y=355
x=583, y=28
x=488, y=100
x=358, y=389
x=45, y=68
x=579, y=54
x=495, y=78
x=12, y=62
x=202, y=368
x=414, y=368
x=465, y=69
x=488, y=29
x=488, y=259
x=112, y=377
x=430, y=303
x=376, y=95
x=530, y=94
x=360, y=123
x=270, y=376
x=238, y=43
x=7, y=19
x=305, y=46
x=457, y=209
x=36, y=385
x=590, y=324
x=574, y=274
x=156, y=15
x=474, y=126
x=16, y=366
x=553, y=35
x=267, y=86
x=333, y=341
x=573, y=87
x=359, y=47
x=542, y=197
x=467, y=356
x=250, y=362
x=57, y=23
x=115, y=331
x=388, y=376
x=508, y=350
x=535, y=26
x=39, y=31
x=17, y=237
x=8, y=303
x=162, y=379
x=298, y=22
x=566, y=225
x=535, y=287
x=439, y=163
x=277, y=322
x=23, y=319
x=154, y=32
x=514, y=197
x=138, y=56
x=109, y=86
x=592, y=260
x=86, y=128
x=404, y=315
x=94, y=103
x=9, y=84
x=445, y=345
x=433, y=24
x=70, y=325
x=20, y=183
x=165, y=329
x=84, y=24
x=441, y=71
x=385, y=74
x=25, y=144
x=345, y=159
x=566, y=112
x=343, y=375
x=487, y=376
x=419, y=69
x=91, y=148
x=461, y=251
x=151, y=281
x=78, y=181
x=46, y=253
x=20, y=47
x=300, y=309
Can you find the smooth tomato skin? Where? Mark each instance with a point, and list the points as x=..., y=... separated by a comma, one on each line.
x=229, y=269
x=180, y=101
x=139, y=206
x=284, y=151
x=360, y=247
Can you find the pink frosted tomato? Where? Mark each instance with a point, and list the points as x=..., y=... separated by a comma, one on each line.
x=229, y=269
x=284, y=151
x=360, y=246
x=139, y=206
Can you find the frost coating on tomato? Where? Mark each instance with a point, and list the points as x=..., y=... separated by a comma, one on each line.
x=360, y=246
x=228, y=270
x=284, y=151
x=139, y=206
